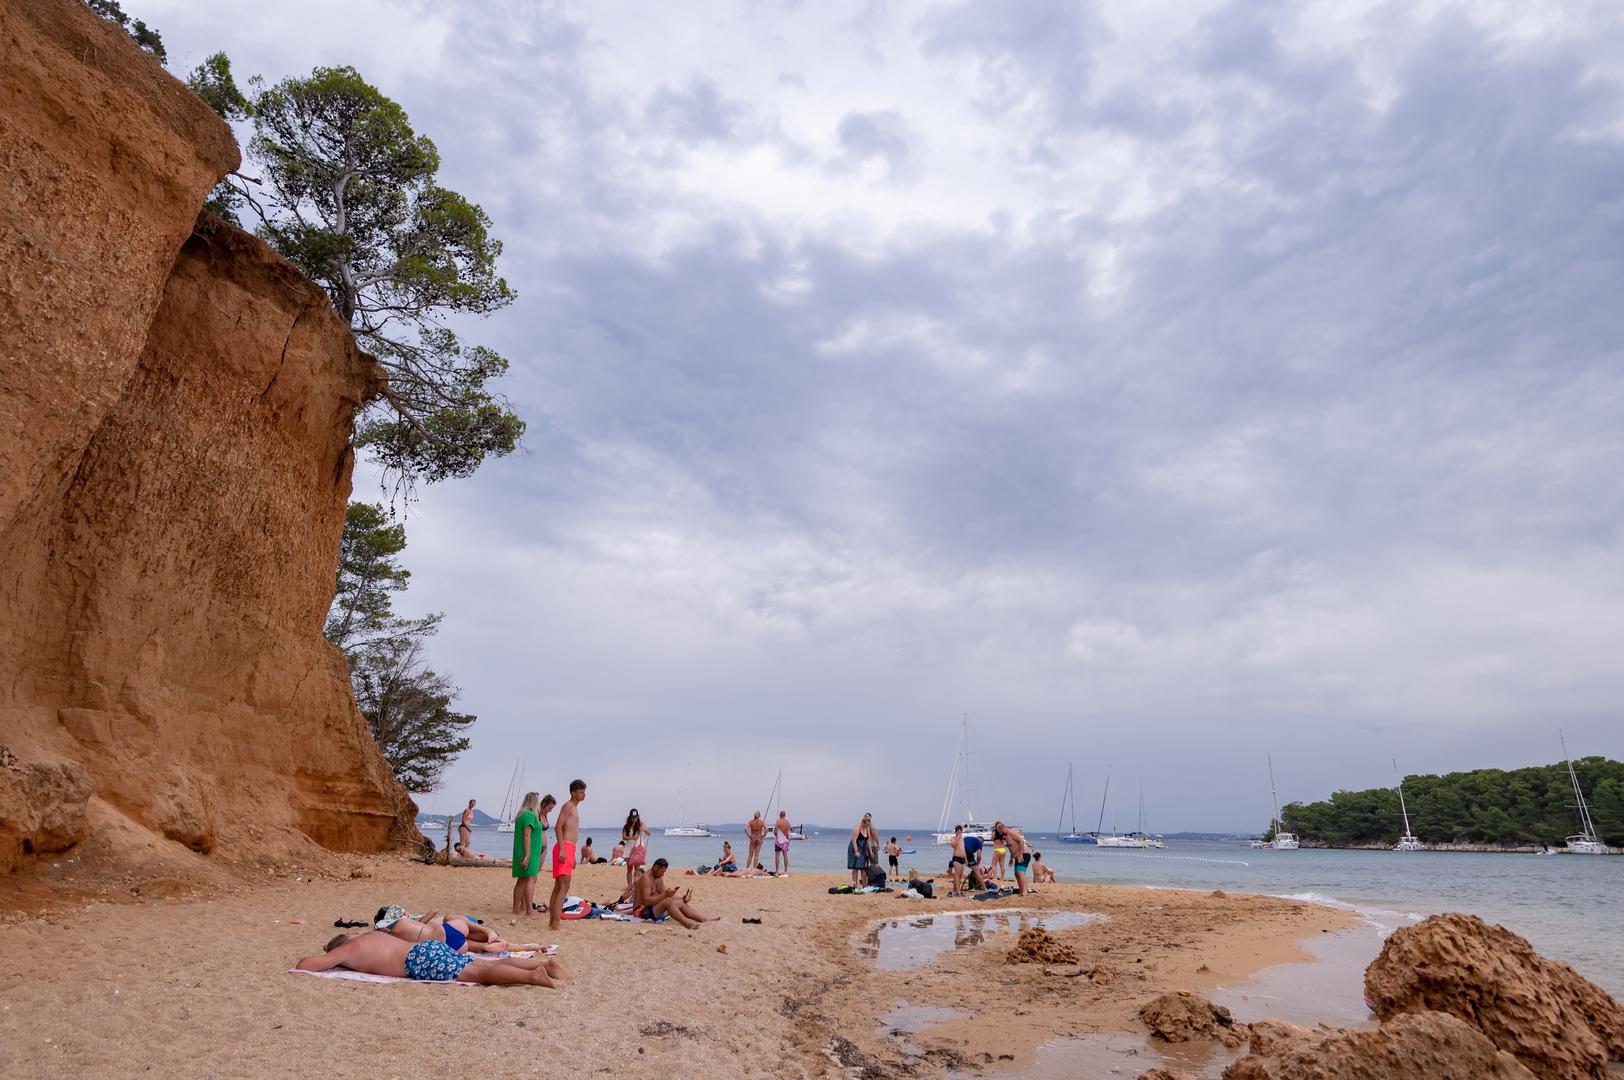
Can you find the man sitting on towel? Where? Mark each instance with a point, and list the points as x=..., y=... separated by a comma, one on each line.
x=653, y=899
x=377, y=953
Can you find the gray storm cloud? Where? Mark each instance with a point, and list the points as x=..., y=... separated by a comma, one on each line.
x=1215, y=385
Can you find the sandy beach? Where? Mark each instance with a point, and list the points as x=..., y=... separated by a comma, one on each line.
x=199, y=985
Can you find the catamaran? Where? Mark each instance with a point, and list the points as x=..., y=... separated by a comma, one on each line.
x=687, y=828
x=1407, y=842
x=1585, y=842
x=1070, y=799
x=961, y=767
x=1283, y=841
x=510, y=807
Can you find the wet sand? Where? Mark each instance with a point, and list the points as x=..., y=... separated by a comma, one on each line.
x=198, y=986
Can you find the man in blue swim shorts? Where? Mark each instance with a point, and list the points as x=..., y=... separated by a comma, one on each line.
x=435, y=961
x=378, y=953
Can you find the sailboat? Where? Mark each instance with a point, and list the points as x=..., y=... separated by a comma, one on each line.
x=1585, y=842
x=1070, y=798
x=1283, y=841
x=1146, y=840
x=687, y=828
x=510, y=806
x=1407, y=842
x=961, y=767
x=1112, y=839
x=796, y=832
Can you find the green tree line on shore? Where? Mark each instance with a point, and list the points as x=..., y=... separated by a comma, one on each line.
x=1515, y=807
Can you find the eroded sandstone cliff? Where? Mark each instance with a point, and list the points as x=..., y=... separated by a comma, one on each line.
x=176, y=405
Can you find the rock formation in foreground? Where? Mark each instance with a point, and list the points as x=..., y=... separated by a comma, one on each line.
x=1457, y=998
x=1415, y=1046
x=176, y=405
x=1552, y=1019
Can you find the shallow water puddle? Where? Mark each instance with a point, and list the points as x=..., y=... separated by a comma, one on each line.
x=906, y=1019
x=1327, y=989
x=1119, y=1054
x=899, y=944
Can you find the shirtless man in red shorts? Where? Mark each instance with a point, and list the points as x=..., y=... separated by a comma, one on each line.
x=565, y=833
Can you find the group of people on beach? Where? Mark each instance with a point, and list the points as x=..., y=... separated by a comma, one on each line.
x=863, y=851
x=646, y=891
x=437, y=947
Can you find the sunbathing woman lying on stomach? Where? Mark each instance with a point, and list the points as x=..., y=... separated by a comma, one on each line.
x=378, y=953
x=463, y=935
x=654, y=899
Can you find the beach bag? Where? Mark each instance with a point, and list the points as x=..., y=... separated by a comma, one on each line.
x=876, y=877
x=637, y=854
x=927, y=889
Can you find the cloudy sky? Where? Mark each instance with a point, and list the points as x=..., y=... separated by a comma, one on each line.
x=1160, y=384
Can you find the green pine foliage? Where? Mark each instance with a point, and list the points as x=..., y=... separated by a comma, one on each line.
x=144, y=35
x=1518, y=807
x=406, y=703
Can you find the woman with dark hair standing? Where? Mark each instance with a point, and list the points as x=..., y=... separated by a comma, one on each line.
x=634, y=834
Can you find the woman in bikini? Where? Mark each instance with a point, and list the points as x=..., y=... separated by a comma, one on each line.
x=634, y=834
x=728, y=863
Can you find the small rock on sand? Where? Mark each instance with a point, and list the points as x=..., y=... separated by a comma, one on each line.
x=1183, y=1017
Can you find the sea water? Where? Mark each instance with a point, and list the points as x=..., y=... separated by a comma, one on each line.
x=1570, y=907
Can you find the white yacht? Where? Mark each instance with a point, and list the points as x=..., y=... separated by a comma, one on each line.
x=687, y=828
x=1407, y=842
x=1283, y=841
x=698, y=828
x=1585, y=841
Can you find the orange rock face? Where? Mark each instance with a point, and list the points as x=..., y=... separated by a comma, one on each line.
x=1556, y=1022
x=1418, y=1046
x=176, y=404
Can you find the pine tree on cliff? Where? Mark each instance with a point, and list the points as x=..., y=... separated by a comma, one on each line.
x=347, y=193
x=144, y=35
x=351, y=199
x=407, y=705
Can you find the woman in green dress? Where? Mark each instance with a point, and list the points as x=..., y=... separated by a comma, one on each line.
x=529, y=844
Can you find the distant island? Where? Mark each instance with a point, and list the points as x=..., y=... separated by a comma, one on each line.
x=480, y=818
x=1495, y=808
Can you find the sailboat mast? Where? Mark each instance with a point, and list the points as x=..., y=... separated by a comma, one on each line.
x=952, y=784
x=1401, y=809
x=1103, y=796
x=969, y=775
x=1274, y=800
x=1585, y=823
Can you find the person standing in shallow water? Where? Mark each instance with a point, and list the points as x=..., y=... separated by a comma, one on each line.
x=564, y=839
x=529, y=843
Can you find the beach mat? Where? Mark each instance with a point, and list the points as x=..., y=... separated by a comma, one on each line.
x=994, y=894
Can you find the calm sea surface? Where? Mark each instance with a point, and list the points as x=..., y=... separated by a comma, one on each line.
x=1571, y=907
